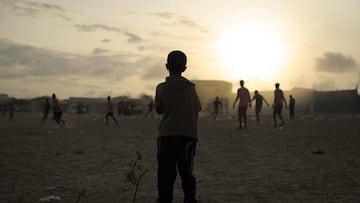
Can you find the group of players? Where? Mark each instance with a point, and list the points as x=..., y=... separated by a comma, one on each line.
x=243, y=96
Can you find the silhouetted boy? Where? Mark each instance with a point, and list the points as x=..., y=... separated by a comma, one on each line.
x=150, y=109
x=258, y=104
x=57, y=111
x=292, y=107
x=279, y=99
x=217, y=104
x=11, y=109
x=243, y=95
x=110, y=111
x=177, y=100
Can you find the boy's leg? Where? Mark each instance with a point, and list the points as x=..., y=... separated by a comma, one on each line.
x=60, y=119
x=245, y=122
x=113, y=117
x=240, y=117
x=166, y=169
x=185, y=154
x=107, y=119
x=274, y=114
x=279, y=112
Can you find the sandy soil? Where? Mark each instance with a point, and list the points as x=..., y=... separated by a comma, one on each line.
x=313, y=159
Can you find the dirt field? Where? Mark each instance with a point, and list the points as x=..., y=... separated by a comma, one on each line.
x=313, y=159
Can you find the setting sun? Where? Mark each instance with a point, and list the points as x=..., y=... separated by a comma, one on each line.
x=250, y=51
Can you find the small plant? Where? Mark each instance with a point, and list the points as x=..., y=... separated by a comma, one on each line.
x=135, y=174
x=80, y=197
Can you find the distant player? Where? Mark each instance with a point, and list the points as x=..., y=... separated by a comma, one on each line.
x=292, y=107
x=217, y=104
x=279, y=99
x=258, y=104
x=11, y=110
x=150, y=109
x=46, y=111
x=110, y=111
x=243, y=95
x=57, y=111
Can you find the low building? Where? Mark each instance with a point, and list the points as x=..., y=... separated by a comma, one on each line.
x=208, y=90
x=343, y=101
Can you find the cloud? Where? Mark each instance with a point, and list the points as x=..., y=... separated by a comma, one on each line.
x=166, y=15
x=23, y=61
x=40, y=5
x=99, y=51
x=179, y=20
x=132, y=38
x=35, y=8
x=153, y=70
x=94, y=27
x=332, y=62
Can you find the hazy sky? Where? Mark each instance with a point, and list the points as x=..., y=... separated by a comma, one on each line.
x=118, y=47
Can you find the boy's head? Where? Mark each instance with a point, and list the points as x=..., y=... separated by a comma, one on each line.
x=176, y=62
x=53, y=96
x=277, y=85
x=108, y=98
x=242, y=83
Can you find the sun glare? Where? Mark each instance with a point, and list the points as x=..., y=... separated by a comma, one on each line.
x=250, y=52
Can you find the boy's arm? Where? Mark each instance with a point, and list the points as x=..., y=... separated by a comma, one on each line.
x=265, y=101
x=252, y=98
x=197, y=100
x=158, y=105
x=236, y=99
x=284, y=99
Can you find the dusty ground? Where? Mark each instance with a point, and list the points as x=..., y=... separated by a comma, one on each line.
x=313, y=159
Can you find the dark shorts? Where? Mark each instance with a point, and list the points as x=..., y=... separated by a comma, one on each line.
x=57, y=115
x=258, y=109
x=109, y=114
x=278, y=109
x=242, y=110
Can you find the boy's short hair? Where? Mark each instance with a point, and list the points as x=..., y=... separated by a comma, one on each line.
x=176, y=61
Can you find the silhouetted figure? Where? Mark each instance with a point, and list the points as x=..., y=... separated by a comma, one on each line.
x=11, y=110
x=177, y=100
x=292, y=107
x=46, y=111
x=57, y=111
x=217, y=104
x=279, y=99
x=243, y=95
x=258, y=104
x=150, y=109
x=110, y=111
